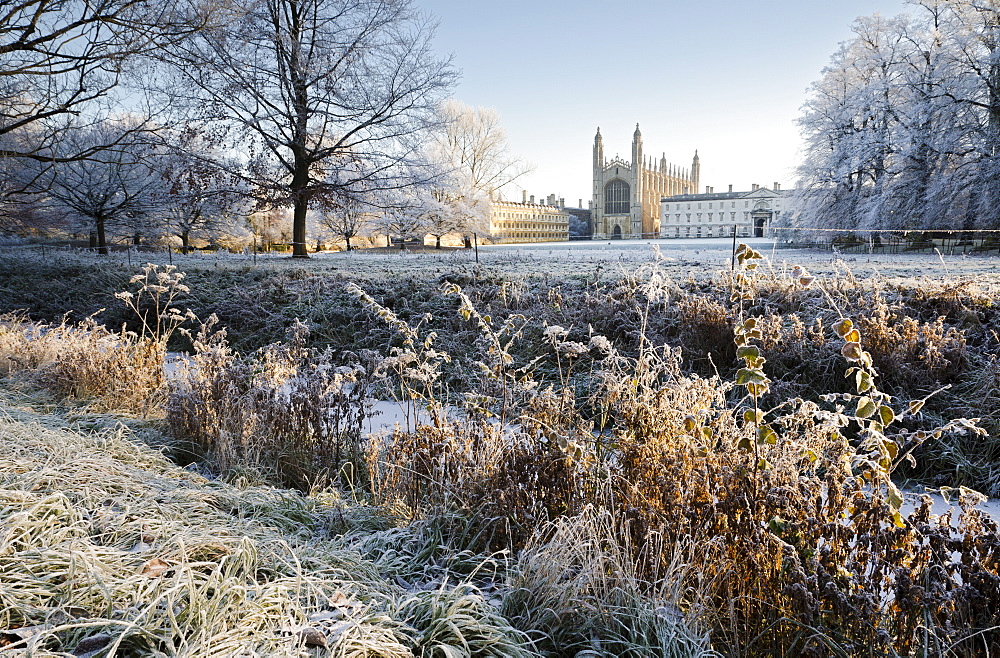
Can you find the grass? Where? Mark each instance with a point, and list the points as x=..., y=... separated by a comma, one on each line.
x=109, y=547
x=631, y=466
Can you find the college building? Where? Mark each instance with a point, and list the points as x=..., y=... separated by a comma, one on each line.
x=627, y=194
x=716, y=214
x=528, y=221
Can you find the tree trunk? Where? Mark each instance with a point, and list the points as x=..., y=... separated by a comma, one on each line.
x=468, y=241
x=347, y=239
x=437, y=241
x=185, y=242
x=102, y=238
x=388, y=241
x=299, y=227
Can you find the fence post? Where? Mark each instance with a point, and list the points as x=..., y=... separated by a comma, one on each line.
x=732, y=263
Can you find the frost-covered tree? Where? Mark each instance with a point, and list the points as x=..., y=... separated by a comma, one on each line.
x=903, y=129
x=197, y=195
x=114, y=188
x=349, y=219
x=406, y=221
x=306, y=87
x=473, y=152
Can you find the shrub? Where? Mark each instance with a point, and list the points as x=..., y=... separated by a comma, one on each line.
x=799, y=527
x=115, y=371
x=292, y=412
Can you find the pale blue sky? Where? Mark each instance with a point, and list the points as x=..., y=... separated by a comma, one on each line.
x=726, y=78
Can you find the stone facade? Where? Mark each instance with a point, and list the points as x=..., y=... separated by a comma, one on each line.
x=712, y=214
x=627, y=194
x=528, y=221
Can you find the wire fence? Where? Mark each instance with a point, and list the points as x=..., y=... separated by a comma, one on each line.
x=946, y=241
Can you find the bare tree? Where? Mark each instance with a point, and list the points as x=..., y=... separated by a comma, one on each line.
x=60, y=59
x=111, y=187
x=195, y=195
x=311, y=88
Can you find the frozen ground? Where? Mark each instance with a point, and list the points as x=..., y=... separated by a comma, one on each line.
x=698, y=258
x=941, y=505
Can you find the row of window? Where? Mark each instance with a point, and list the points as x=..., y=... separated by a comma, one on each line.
x=722, y=204
x=536, y=226
x=722, y=217
x=512, y=215
x=532, y=235
x=708, y=232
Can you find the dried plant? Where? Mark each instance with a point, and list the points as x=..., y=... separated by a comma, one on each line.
x=111, y=371
x=290, y=411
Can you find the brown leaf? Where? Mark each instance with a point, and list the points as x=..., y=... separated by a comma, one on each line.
x=312, y=637
x=155, y=568
x=92, y=643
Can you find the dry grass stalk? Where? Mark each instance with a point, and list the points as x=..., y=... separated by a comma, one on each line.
x=107, y=546
x=117, y=371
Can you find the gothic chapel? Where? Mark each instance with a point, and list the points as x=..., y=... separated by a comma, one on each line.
x=627, y=194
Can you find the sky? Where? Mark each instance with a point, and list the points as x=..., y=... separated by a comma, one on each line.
x=727, y=78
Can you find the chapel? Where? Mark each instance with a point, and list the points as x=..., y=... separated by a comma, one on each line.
x=627, y=194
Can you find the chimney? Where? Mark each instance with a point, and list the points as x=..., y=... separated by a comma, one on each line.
x=730, y=189
x=524, y=196
x=777, y=186
x=531, y=199
x=581, y=204
x=562, y=202
x=708, y=190
x=685, y=190
x=753, y=187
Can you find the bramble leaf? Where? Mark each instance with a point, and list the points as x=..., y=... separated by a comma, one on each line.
x=766, y=434
x=866, y=407
x=895, y=497
x=843, y=327
x=750, y=376
x=863, y=380
x=886, y=414
x=852, y=351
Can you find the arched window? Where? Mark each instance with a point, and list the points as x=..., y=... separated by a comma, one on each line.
x=616, y=198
